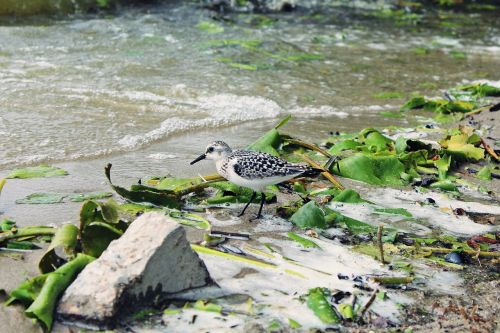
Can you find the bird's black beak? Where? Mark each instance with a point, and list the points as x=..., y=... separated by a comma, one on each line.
x=199, y=158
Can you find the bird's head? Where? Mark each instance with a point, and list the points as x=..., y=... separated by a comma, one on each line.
x=214, y=151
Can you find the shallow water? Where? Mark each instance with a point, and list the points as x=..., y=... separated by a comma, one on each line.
x=81, y=87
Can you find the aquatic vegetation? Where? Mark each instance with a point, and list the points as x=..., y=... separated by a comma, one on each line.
x=43, y=170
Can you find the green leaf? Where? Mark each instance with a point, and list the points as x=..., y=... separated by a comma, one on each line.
x=61, y=249
x=190, y=219
x=346, y=311
x=303, y=241
x=443, y=165
x=42, y=292
x=349, y=196
x=80, y=197
x=41, y=198
x=317, y=302
x=485, y=173
x=374, y=139
x=309, y=216
x=42, y=170
x=271, y=141
x=354, y=226
x=371, y=169
x=210, y=27
x=21, y=245
x=145, y=194
x=393, y=211
x=207, y=306
x=381, y=295
x=414, y=103
x=7, y=225
x=344, y=145
x=457, y=146
x=445, y=185
x=293, y=324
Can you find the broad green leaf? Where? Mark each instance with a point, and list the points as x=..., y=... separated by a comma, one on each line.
x=344, y=145
x=41, y=198
x=335, y=218
x=7, y=225
x=309, y=216
x=318, y=303
x=349, y=196
x=457, y=146
x=270, y=141
x=481, y=89
x=80, y=197
x=61, y=249
x=374, y=140
x=414, y=103
x=42, y=292
x=302, y=241
x=445, y=185
x=21, y=245
x=174, y=184
x=372, y=169
x=42, y=170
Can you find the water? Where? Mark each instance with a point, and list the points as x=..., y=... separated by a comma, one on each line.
x=148, y=88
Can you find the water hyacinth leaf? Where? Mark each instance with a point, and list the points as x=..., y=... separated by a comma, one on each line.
x=174, y=184
x=414, y=103
x=371, y=169
x=349, y=196
x=302, y=241
x=207, y=306
x=27, y=291
x=318, y=303
x=374, y=139
x=484, y=173
x=7, y=225
x=356, y=227
x=457, y=146
x=445, y=185
x=204, y=250
x=80, y=197
x=61, y=249
x=190, y=219
x=97, y=236
x=393, y=211
x=42, y=170
x=270, y=141
x=210, y=27
x=41, y=198
x=443, y=165
x=346, y=311
x=135, y=209
x=141, y=194
x=309, y=216
x=54, y=285
x=344, y=145
x=482, y=89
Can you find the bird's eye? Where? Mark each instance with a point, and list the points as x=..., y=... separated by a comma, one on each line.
x=210, y=150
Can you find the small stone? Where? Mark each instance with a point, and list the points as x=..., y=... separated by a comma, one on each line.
x=454, y=258
x=150, y=261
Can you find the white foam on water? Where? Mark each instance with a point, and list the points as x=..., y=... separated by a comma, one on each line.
x=214, y=111
x=161, y=156
x=323, y=110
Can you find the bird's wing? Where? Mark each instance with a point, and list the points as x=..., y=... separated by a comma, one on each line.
x=252, y=165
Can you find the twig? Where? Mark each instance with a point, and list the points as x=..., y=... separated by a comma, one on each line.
x=325, y=172
x=444, y=251
x=489, y=150
x=478, y=110
x=380, y=243
x=368, y=304
x=309, y=146
x=392, y=279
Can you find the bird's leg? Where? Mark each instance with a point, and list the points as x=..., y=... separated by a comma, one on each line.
x=248, y=203
x=262, y=201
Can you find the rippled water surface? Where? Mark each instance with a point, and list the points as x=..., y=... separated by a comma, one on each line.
x=80, y=87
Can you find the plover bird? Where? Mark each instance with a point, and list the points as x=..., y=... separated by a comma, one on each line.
x=252, y=169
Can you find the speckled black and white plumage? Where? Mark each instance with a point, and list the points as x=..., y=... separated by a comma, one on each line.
x=257, y=165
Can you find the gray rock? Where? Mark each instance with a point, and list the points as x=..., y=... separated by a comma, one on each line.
x=150, y=261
